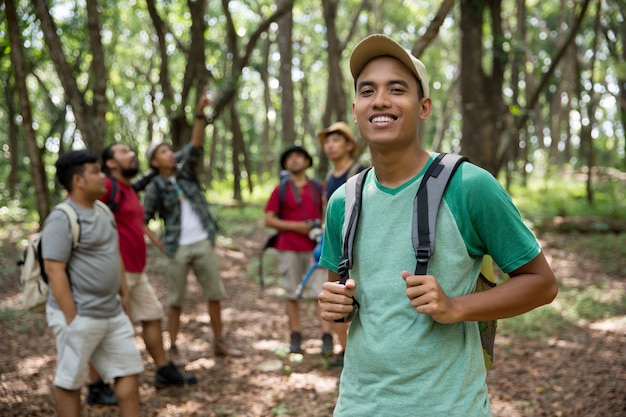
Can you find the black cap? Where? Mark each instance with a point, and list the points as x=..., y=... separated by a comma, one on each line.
x=295, y=148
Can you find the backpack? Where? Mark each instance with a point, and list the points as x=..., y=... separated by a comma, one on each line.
x=285, y=180
x=33, y=276
x=426, y=206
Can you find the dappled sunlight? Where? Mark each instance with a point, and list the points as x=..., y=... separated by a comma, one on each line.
x=268, y=345
x=32, y=365
x=612, y=324
x=200, y=364
x=313, y=380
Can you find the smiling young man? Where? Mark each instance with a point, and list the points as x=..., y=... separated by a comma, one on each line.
x=83, y=309
x=413, y=345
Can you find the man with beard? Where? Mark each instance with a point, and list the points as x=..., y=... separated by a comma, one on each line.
x=120, y=164
x=294, y=216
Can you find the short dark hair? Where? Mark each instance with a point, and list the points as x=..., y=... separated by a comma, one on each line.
x=72, y=163
x=107, y=154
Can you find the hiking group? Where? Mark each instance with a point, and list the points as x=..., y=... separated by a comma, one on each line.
x=409, y=342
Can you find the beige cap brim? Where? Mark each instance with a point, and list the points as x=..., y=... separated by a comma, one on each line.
x=378, y=45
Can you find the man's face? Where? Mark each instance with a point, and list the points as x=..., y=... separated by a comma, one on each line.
x=337, y=146
x=387, y=108
x=163, y=157
x=296, y=162
x=125, y=160
x=91, y=181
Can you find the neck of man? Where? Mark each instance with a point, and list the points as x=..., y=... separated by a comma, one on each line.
x=167, y=172
x=298, y=178
x=82, y=200
x=341, y=165
x=394, y=167
x=120, y=178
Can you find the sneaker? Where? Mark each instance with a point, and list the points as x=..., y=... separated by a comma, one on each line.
x=337, y=360
x=220, y=348
x=176, y=358
x=294, y=343
x=169, y=375
x=327, y=344
x=100, y=393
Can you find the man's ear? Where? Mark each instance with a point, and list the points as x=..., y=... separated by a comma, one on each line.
x=110, y=164
x=425, y=107
x=77, y=181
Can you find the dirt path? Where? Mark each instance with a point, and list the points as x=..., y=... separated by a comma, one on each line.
x=579, y=371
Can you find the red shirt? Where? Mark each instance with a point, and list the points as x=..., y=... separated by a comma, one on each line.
x=129, y=219
x=310, y=208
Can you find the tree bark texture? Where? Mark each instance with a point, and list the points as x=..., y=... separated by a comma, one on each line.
x=34, y=153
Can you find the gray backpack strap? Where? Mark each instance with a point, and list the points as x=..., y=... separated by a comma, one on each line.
x=426, y=206
x=354, y=187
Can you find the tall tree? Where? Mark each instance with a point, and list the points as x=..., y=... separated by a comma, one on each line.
x=88, y=115
x=481, y=89
x=34, y=153
x=285, y=41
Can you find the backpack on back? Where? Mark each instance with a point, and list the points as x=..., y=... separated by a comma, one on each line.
x=425, y=209
x=33, y=276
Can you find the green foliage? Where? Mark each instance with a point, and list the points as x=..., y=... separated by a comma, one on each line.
x=565, y=195
x=573, y=307
x=138, y=110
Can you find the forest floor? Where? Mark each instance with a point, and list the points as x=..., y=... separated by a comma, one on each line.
x=568, y=368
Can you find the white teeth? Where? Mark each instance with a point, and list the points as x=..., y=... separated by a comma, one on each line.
x=382, y=119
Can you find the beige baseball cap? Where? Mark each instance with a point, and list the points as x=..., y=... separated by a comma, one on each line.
x=342, y=128
x=381, y=45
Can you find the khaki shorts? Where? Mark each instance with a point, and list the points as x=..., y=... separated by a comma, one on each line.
x=201, y=258
x=144, y=304
x=109, y=343
x=292, y=266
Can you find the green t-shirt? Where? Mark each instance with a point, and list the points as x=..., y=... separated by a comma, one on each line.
x=399, y=362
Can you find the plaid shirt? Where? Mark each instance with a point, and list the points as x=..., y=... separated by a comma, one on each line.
x=162, y=198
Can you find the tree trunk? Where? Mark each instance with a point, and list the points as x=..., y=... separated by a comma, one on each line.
x=34, y=153
x=265, y=158
x=89, y=118
x=287, y=113
x=13, y=134
x=482, y=102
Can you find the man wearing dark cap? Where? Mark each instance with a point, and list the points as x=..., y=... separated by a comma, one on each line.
x=414, y=346
x=190, y=232
x=294, y=216
x=88, y=294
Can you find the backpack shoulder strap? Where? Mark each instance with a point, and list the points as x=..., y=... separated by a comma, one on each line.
x=104, y=208
x=426, y=205
x=116, y=196
x=316, y=189
x=72, y=215
x=282, y=191
x=354, y=189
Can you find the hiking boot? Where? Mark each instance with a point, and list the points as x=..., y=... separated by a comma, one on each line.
x=336, y=360
x=294, y=343
x=220, y=348
x=327, y=344
x=169, y=375
x=100, y=393
x=176, y=358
